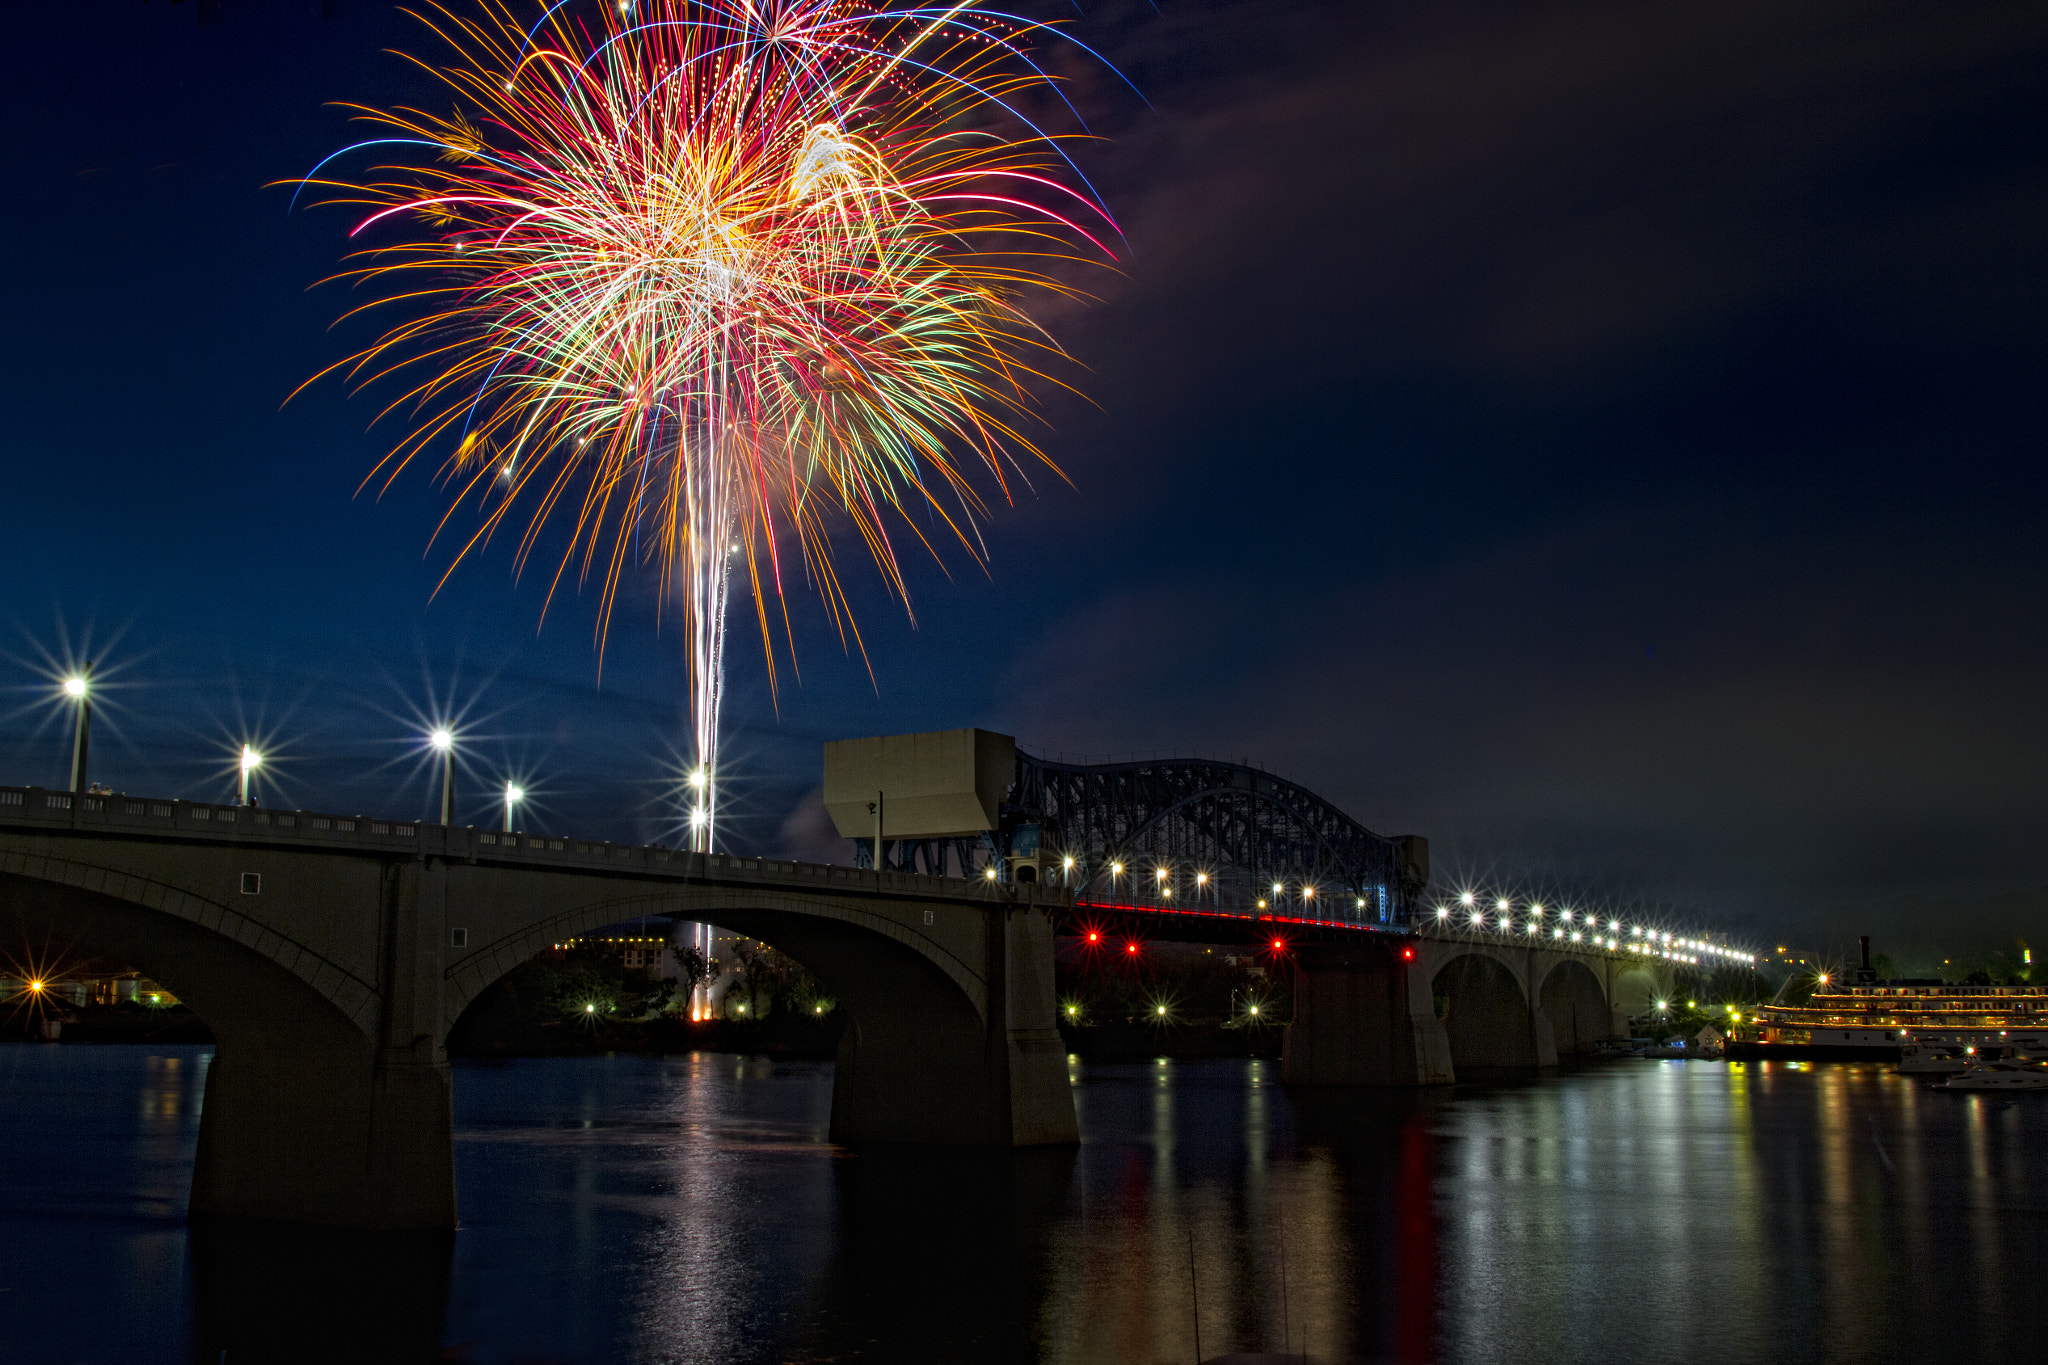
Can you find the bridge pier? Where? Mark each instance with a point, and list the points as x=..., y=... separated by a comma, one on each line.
x=311, y=1134
x=1363, y=1015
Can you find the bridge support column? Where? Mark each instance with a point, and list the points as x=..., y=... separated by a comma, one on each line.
x=933, y=1070
x=312, y=1134
x=308, y=1122
x=1363, y=1016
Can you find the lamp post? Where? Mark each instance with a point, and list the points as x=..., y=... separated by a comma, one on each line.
x=513, y=796
x=700, y=810
x=251, y=761
x=443, y=741
x=79, y=689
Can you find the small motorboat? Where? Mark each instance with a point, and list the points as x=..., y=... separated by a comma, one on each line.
x=1917, y=1059
x=1998, y=1076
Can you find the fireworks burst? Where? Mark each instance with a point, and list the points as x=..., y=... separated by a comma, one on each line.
x=707, y=280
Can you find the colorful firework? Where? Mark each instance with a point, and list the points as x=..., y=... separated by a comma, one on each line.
x=708, y=280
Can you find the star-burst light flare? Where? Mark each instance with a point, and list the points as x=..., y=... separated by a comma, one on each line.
x=707, y=281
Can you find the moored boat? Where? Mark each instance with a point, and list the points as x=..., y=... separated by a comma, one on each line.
x=1998, y=1076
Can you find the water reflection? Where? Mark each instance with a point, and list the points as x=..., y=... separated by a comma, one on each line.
x=690, y=1210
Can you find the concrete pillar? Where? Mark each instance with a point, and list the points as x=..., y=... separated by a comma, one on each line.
x=1363, y=1016
x=308, y=1121
x=301, y=1132
x=919, y=1064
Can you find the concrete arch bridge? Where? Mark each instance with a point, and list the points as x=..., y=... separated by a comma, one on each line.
x=1436, y=1006
x=331, y=955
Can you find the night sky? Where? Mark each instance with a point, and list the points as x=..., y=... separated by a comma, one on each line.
x=1604, y=438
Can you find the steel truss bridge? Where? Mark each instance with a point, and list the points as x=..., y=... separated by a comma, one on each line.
x=1199, y=838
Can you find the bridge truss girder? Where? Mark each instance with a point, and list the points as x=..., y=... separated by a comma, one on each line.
x=1235, y=828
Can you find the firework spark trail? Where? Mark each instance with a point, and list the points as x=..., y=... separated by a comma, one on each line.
x=702, y=279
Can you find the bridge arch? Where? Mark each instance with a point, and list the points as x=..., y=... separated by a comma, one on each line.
x=294, y=1033
x=106, y=888
x=1483, y=999
x=770, y=916
x=1575, y=1003
x=1638, y=987
x=933, y=1014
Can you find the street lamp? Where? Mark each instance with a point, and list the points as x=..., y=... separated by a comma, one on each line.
x=78, y=687
x=251, y=761
x=443, y=741
x=513, y=796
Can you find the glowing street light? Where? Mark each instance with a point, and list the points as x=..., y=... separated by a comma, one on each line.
x=514, y=794
x=78, y=687
x=442, y=741
x=251, y=761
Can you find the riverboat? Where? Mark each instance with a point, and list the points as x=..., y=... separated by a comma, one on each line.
x=1872, y=1020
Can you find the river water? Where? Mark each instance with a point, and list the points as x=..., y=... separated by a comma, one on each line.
x=689, y=1209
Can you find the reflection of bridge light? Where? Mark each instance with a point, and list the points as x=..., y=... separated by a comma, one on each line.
x=1557, y=933
x=1478, y=918
x=1534, y=927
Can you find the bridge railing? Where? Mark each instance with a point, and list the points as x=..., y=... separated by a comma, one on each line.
x=127, y=816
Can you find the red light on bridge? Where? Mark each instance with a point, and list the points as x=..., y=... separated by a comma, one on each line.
x=1279, y=945
x=1407, y=954
x=1130, y=947
x=1094, y=937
